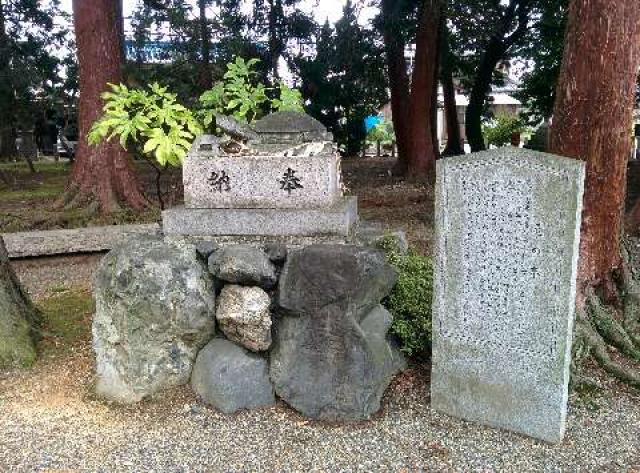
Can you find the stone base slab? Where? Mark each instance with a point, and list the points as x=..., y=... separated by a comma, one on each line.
x=338, y=219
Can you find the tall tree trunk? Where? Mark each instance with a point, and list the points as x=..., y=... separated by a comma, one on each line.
x=102, y=174
x=423, y=107
x=454, y=139
x=7, y=93
x=480, y=89
x=398, y=82
x=19, y=319
x=592, y=122
x=516, y=15
x=275, y=46
x=206, y=79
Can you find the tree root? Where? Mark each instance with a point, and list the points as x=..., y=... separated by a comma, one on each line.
x=610, y=329
x=599, y=326
x=598, y=349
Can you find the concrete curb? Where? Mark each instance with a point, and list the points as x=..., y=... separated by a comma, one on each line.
x=69, y=241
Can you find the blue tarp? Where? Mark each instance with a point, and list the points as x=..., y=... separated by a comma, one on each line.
x=371, y=121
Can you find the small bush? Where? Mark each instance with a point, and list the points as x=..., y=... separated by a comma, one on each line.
x=410, y=300
x=499, y=130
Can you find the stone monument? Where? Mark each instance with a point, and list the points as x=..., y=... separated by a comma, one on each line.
x=507, y=238
x=278, y=178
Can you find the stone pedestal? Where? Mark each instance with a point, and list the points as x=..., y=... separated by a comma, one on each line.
x=279, y=179
x=336, y=220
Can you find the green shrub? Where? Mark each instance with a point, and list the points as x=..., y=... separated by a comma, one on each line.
x=499, y=130
x=410, y=300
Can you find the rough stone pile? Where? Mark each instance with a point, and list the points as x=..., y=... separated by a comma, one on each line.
x=302, y=324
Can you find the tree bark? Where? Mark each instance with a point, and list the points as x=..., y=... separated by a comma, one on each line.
x=19, y=319
x=592, y=120
x=398, y=82
x=517, y=12
x=275, y=45
x=102, y=174
x=454, y=138
x=423, y=106
x=206, y=78
x=479, y=91
x=7, y=94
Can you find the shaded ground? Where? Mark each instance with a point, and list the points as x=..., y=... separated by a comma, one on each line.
x=28, y=203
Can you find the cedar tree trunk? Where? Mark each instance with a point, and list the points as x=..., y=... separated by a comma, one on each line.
x=454, y=140
x=423, y=107
x=19, y=319
x=275, y=46
x=515, y=16
x=414, y=111
x=592, y=121
x=206, y=79
x=398, y=82
x=7, y=94
x=102, y=175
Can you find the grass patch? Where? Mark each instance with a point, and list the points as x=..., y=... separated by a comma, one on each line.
x=67, y=319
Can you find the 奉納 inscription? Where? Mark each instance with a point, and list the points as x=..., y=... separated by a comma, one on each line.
x=219, y=181
x=507, y=225
x=290, y=181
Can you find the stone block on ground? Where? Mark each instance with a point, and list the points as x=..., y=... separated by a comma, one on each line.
x=331, y=358
x=507, y=239
x=155, y=308
x=243, y=264
x=244, y=317
x=231, y=378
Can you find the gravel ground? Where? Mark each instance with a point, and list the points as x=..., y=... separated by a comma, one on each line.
x=50, y=421
x=41, y=276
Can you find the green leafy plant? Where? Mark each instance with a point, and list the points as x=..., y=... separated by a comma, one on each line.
x=498, y=131
x=411, y=298
x=240, y=96
x=237, y=94
x=383, y=132
x=152, y=121
x=290, y=100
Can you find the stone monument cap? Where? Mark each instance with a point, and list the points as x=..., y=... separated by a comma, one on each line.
x=290, y=127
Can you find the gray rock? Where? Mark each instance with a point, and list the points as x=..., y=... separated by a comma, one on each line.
x=155, y=308
x=230, y=378
x=277, y=252
x=348, y=277
x=244, y=317
x=331, y=358
x=205, y=248
x=243, y=264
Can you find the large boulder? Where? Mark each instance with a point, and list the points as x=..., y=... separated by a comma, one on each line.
x=331, y=358
x=231, y=378
x=243, y=315
x=155, y=308
x=243, y=264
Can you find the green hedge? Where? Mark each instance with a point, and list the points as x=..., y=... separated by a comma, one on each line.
x=410, y=300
